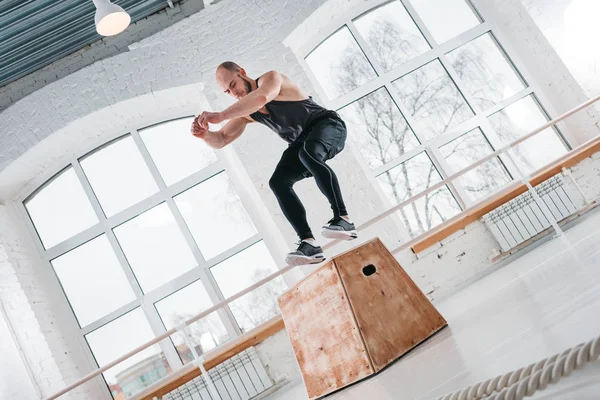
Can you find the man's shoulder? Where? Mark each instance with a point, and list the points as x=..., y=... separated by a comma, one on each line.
x=271, y=74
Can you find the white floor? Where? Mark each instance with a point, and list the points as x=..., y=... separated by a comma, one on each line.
x=539, y=304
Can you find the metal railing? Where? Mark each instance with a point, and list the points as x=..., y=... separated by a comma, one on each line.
x=364, y=225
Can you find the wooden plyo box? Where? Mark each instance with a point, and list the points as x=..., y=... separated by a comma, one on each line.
x=354, y=316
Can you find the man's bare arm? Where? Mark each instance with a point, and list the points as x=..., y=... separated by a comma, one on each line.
x=270, y=86
x=224, y=136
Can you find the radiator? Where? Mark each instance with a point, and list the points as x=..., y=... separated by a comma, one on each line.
x=522, y=218
x=239, y=378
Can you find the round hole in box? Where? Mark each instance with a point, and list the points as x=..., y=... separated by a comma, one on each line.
x=369, y=270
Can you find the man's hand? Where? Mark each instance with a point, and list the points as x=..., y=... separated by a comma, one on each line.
x=221, y=138
x=210, y=117
x=198, y=130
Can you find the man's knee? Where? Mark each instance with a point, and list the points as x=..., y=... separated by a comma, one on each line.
x=279, y=182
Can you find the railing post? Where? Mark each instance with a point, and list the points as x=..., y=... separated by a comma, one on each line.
x=198, y=361
x=330, y=244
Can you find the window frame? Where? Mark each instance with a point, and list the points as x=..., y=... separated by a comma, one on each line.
x=228, y=163
x=437, y=52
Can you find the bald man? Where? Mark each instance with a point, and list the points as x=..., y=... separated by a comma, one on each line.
x=313, y=133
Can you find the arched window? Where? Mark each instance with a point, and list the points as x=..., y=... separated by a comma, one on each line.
x=427, y=89
x=143, y=233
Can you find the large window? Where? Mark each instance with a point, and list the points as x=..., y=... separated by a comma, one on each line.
x=142, y=234
x=426, y=90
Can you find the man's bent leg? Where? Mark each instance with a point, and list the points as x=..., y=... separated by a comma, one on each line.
x=290, y=170
x=313, y=155
x=324, y=141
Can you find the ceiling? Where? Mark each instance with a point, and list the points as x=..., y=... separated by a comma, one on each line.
x=35, y=33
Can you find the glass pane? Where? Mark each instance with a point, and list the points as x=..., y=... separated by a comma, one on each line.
x=121, y=336
x=339, y=64
x=242, y=270
x=485, y=71
x=155, y=247
x=429, y=211
x=468, y=149
x=205, y=334
x=93, y=280
x=433, y=100
x=176, y=153
x=519, y=119
x=378, y=129
x=60, y=209
x=392, y=35
x=446, y=19
x=410, y=178
x=215, y=215
x=119, y=176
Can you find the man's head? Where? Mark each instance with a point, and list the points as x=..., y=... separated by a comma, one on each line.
x=233, y=79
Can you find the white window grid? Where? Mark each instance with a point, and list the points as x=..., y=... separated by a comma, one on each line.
x=438, y=51
x=165, y=194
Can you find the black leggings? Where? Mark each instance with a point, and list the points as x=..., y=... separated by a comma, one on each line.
x=306, y=158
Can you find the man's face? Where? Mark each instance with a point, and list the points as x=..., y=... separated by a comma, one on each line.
x=235, y=84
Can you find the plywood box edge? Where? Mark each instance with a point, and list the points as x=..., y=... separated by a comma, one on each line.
x=332, y=260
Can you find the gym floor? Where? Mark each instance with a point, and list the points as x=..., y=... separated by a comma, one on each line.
x=539, y=304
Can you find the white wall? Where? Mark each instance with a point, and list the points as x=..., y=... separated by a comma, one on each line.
x=546, y=71
x=444, y=268
x=38, y=318
x=106, y=47
x=571, y=26
x=165, y=76
x=15, y=379
x=160, y=79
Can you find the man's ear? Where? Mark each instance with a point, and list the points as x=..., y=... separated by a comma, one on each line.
x=243, y=72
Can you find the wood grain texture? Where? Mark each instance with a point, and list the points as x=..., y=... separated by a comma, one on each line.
x=323, y=332
x=469, y=216
x=392, y=313
x=345, y=326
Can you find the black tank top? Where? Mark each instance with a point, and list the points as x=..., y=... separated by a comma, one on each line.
x=289, y=119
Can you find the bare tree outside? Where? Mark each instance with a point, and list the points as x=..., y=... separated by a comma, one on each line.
x=490, y=78
x=259, y=305
x=242, y=270
x=468, y=149
x=436, y=106
x=214, y=203
x=517, y=120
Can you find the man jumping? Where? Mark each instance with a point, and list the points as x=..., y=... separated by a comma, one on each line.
x=314, y=135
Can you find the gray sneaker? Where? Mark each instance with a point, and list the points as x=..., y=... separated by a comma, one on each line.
x=339, y=228
x=305, y=254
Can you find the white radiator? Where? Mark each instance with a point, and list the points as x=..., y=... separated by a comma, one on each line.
x=239, y=378
x=522, y=218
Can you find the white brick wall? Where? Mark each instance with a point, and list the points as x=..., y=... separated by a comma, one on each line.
x=17, y=381
x=32, y=313
x=587, y=175
x=106, y=47
x=161, y=78
x=277, y=356
x=157, y=80
x=574, y=41
x=441, y=269
x=16, y=278
x=546, y=71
